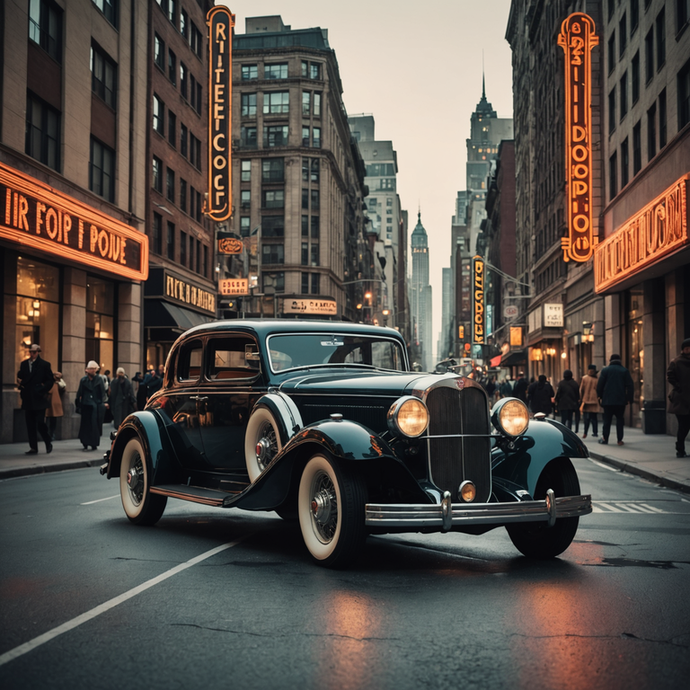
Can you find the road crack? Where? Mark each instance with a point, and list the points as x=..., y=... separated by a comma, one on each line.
x=624, y=635
x=290, y=634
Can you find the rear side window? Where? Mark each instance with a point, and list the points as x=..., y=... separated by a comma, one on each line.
x=188, y=365
x=231, y=357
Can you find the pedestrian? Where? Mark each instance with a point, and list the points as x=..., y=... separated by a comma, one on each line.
x=678, y=375
x=540, y=394
x=615, y=391
x=567, y=398
x=55, y=407
x=507, y=386
x=490, y=386
x=590, y=402
x=90, y=404
x=156, y=381
x=141, y=390
x=121, y=398
x=520, y=390
x=35, y=381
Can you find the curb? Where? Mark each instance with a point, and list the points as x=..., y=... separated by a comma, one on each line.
x=15, y=472
x=645, y=474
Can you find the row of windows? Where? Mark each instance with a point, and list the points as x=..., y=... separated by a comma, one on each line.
x=193, y=254
x=279, y=70
x=186, y=192
x=273, y=170
x=277, y=135
x=274, y=254
x=190, y=146
x=188, y=28
x=278, y=103
x=275, y=198
x=190, y=88
x=654, y=43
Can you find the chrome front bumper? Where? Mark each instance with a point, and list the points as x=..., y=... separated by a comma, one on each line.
x=445, y=516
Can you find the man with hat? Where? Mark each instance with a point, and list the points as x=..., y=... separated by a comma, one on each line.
x=678, y=375
x=35, y=381
x=590, y=402
x=615, y=391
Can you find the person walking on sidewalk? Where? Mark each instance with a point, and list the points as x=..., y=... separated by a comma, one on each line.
x=678, y=375
x=90, y=404
x=615, y=391
x=590, y=402
x=121, y=399
x=567, y=398
x=540, y=394
x=35, y=381
x=55, y=403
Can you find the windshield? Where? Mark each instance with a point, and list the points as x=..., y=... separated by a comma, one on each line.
x=325, y=349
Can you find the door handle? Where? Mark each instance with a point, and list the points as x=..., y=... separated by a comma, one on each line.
x=198, y=398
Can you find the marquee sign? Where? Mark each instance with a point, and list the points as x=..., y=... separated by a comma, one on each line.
x=233, y=286
x=38, y=216
x=657, y=230
x=478, y=301
x=310, y=306
x=577, y=38
x=220, y=22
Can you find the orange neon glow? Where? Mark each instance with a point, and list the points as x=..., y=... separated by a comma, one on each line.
x=659, y=229
x=577, y=38
x=219, y=202
x=37, y=216
x=478, y=300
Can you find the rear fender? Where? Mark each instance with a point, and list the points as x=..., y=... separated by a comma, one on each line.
x=518, y=469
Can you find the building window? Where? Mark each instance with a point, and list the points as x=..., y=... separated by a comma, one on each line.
x=195, y=151
x=315, y=227
x=184, y=24
x=272, y=254
x=649, y=56
x=314, y=199
x=170, y=185
x=624, y=94
x=273, y=198
x=661, y=39
x=612, y=110
x=622, y=34
x=682, y=15
x=305, y=253
x=613, y=175
x=184, y=139
x=183, y=195
x=249, y=72
x=42, y=132
x=245, y=225
x=306, y=103
x=684, y=95
x=248, y=101
x=109, y=9
x=45, y=27
x=273, y=226
x=305, y=136
x=637, y=148
x=183, y=247
x=273, y=170
x=102, y=170
x=634, y=15
x=195, y=40
x=276, y=135
x=625, y=163
x=103, y=76
x=651, y=132
x=158, y=115
x=157, y=175
x=276, y=71
x=195, y=94
x=275, y=282
x=317, y=104
x=172, y=67
x=305, y=226
x=612, y=52
x=157, y=234
x=315, y=283
x=246, y=171
x=172, y=10
x=316, y=137
x=171, y=241
x=245, y=199
x=183, y=80
x=305, y=283
x=305, y=199
x=277, y=103
x=314, y=253
x=159, y=51
x=172, y=128
x=311, y=70
x=635, y=77
x=663, y=124
x=248, y=137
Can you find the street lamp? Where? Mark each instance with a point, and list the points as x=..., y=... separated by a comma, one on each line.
x=386, y=314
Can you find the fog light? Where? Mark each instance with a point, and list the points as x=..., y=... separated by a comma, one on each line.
x=467, y=491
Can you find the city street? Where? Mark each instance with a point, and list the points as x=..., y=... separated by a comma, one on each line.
x=231, y=599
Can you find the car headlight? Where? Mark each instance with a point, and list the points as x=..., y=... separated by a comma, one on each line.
x=510, y=416
x=408, y=416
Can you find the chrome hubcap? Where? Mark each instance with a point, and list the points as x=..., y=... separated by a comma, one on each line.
x=324, y=507
x=135, y=480
x=266, y=446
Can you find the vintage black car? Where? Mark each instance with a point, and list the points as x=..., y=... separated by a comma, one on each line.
x=324, y=422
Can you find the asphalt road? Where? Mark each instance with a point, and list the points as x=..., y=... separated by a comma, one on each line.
x=230, y=599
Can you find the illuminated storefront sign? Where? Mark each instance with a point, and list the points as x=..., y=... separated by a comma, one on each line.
x=190, y=295
x=234, y=286
x=220, y=22
x=310, y=306
x=478, y=300
x=37, y=216
x=230, y=245
x=553, y=315
x=577, y=38
x=515, y=336
x=659, y=229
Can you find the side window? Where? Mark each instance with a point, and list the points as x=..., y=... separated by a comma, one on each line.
x=188, y=363
x=227, y=358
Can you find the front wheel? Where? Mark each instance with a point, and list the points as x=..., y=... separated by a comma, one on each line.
x=330, y=508
x=141, y=506
x=537, y=539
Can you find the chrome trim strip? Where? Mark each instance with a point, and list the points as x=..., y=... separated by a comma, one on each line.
x=411, y=516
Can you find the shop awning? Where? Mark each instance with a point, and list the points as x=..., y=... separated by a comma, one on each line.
x=514, y=358
x=161, y=314
x=495, y=362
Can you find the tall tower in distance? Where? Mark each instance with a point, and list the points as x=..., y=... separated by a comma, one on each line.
x=420, y=296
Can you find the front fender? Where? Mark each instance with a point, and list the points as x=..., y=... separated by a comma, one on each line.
x=285, y=412
x=518, y=468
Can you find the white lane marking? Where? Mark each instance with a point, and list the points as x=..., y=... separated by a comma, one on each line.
x=651, y=508
x=627, y=507
x=98, y=500
x=93, y=613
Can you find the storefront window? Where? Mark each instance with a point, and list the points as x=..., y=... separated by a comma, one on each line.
x=38, y=312
x=100, y=322
x=636, y=352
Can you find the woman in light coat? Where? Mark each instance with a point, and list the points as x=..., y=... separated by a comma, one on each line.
x=590, y=402
x=55, y=403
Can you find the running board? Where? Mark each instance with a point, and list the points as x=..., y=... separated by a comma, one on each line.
x=195, y=494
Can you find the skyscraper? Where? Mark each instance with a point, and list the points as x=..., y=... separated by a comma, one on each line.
x=420, y=295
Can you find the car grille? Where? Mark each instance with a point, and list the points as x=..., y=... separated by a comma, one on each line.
x=453, y=460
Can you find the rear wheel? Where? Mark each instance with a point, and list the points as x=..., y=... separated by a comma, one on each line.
x=330, y=508
x=537, y=539
x=141, y=506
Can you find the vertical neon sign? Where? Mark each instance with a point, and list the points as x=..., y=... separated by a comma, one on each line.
x=478, y=300
x=577, y=38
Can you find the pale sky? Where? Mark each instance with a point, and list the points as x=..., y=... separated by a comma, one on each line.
x=417, y=68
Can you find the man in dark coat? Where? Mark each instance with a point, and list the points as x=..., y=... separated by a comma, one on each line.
x=520, y=390
x=90, y=404
x=567, y=398
x=678, y=375
x=35, y=381
x=540, y=394
x=121, y=398
x=615, y=391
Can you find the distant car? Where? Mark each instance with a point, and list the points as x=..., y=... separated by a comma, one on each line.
x=324, y=422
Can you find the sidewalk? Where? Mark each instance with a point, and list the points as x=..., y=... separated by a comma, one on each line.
x=651, y=457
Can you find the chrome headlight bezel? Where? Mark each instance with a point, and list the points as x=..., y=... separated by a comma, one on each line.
x=395, y=426
x=504, y=411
